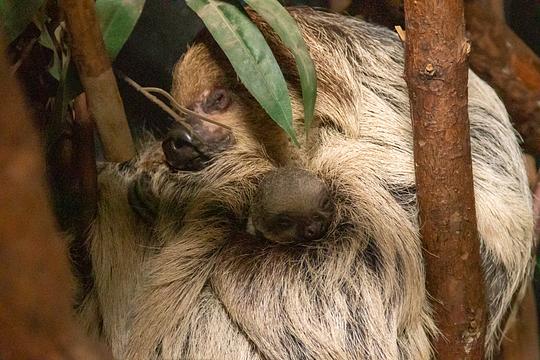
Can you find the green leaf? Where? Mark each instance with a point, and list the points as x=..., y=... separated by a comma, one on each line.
x=46, y=41
x=15, y=15
x=285, y=27
x=117, y=19
x=250, y=56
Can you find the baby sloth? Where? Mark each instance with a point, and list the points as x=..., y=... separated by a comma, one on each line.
x=291, y=206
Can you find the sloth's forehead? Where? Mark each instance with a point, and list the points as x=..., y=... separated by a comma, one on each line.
x=294, y=204
x=198, y=71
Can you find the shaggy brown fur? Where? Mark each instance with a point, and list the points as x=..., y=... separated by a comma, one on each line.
x=193, y=287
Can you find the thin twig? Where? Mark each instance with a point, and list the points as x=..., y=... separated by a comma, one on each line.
x=401, y=33
x=147, y=92
x=150, y=97
x=183, y=109
x=159, y=103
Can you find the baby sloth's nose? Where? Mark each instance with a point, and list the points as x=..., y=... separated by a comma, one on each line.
x=314, y=230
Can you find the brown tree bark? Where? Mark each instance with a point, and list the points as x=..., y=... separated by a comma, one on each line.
x=521, y=340
x=498, y=56
x=436, y=71
x=501, y=58
x=98, y=79
x=35, y=285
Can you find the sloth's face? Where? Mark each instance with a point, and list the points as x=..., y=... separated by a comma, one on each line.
x=291, y=206
x=205, y=83
x=290, y=228
x=207, y=86
x=191, y=148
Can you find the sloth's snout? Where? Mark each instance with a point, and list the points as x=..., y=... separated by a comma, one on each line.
x=314, y=230
x=183, y=151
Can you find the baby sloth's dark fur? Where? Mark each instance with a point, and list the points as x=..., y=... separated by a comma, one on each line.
x=195, y=286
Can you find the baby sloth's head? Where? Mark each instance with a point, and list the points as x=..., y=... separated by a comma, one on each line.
x=291, y=206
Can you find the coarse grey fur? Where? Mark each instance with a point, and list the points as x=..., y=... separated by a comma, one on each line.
x=193, y=286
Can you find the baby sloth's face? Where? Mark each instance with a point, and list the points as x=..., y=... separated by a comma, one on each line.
x=291, y=206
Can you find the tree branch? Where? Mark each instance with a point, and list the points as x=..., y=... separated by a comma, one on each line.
x=498, y=56
x=521, y=340
x=98, y=79
x=436, y=72
x=501, y=58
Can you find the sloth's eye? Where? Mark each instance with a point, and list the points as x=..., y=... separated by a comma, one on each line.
x=218, y=100
x=283, y=222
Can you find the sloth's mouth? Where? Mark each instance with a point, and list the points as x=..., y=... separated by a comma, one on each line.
x=142, y=200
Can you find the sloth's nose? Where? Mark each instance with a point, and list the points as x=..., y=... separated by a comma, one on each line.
x=314, y=230
x=183, y=151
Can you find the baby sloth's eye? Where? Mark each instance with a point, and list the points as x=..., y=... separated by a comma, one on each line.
x=217, y=101
x=283, y=222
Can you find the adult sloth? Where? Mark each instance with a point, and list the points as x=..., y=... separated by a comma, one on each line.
x=194, y=286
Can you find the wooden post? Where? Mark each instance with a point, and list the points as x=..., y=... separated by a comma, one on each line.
x=98, y=79
x=436, y=71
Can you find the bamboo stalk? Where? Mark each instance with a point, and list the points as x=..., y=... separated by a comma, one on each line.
x=98, y=79
x=436, y=72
